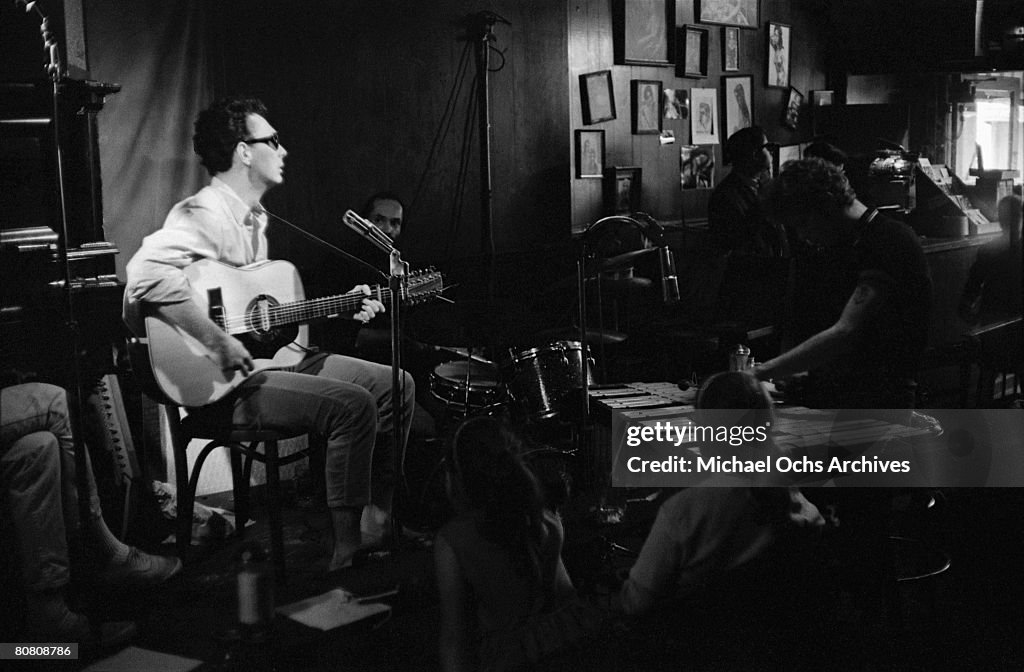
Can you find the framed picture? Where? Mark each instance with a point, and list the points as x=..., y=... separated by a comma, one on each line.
x=782, y=154
x=677, y=103
x=646, y=106
x=730, y=49
x=821, y=98
x=742, y=13
x=697, y=166
x=596, y=97
x=589, y=153
x=692, y=54
x=738, y=102
x=792, y=115
x=704, y=117
x=622, y=189
x=779, y=42
x=643, y=31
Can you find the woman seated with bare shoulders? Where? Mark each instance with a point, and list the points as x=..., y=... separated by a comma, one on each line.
x=500, y=557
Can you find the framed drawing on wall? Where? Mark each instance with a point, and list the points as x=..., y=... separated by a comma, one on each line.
x=697, y=166
x=589, y=153
x=643, y=31
x=622, y=189
x=738, y=102
x=596, y=97
x=692, y=54
x=778, y=57
x=792, y=115
x=821, y=98
x=646, y=106
x=703, y=117
x=730, y=49
x=742, y=13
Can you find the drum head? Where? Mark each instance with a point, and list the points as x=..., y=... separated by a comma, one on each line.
x=473, y=374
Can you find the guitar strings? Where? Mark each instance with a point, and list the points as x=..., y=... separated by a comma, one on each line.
x=297, y=311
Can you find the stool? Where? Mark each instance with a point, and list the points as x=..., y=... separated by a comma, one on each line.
x=243, y=446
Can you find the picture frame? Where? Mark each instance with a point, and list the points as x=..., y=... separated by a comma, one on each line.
x=646, y=106
x=622, y=189
x=791, y=115
x=643, y=32
x=676, y=103
x=778, y=55
x=704, y=117
x=692, y=51
x=589, y=153
x=697, y=167
x=597, y=97
x=822, y=98
x=782, y=154
x=738, y=102
x=730, y=49
x=739, y=13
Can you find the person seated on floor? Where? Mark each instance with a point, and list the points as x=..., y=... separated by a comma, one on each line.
x=826, y=151
x=993, y=288
x=499, y=557
x=38, y=489
x=703, y=533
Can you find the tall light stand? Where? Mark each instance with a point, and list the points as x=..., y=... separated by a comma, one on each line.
x=55, y=71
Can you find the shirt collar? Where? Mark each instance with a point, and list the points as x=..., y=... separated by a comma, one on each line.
x=239, y=209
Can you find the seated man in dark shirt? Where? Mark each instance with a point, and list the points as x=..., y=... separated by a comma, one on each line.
x=868, y=358
x=736, y=221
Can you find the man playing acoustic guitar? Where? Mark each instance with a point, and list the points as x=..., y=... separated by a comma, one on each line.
x=345, y=400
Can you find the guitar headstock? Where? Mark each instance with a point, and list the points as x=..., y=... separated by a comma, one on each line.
x=422, y=286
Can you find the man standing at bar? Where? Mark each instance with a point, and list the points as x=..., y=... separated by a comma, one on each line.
x=345, y=400
x=868, y=358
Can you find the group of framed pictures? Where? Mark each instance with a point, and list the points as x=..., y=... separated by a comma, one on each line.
x=645, y=33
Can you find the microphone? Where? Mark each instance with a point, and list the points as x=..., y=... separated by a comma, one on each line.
x=669, y=280
x=368, y=230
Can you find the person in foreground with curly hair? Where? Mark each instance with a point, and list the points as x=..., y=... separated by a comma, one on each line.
x=500, y=557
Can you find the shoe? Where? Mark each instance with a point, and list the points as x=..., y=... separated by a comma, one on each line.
x=139, y=569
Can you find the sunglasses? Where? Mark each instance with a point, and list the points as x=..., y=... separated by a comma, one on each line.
x=271, y=140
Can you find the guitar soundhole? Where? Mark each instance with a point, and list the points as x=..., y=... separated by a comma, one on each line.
x=262, y=339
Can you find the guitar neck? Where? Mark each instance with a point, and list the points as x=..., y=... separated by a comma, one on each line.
x=307, y=310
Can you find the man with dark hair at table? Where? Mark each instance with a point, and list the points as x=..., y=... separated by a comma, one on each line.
x=345, y=400
x=869, y=356
x=735, y=219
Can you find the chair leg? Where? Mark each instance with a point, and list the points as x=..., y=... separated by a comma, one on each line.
x=240, y=490
x=274, y=510
x=179, y=445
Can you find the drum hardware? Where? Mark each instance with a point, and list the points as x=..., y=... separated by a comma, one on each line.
x=467, y=385
x=539, y=379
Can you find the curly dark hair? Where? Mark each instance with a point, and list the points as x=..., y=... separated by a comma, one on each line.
x=805, y=186
x=220, y=127
x=488, y=475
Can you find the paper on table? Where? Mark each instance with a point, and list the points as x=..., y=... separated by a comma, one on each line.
x=333, y=609
x=133, y=659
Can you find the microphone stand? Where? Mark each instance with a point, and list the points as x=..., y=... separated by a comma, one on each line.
x=55, y=70
x=399, y=272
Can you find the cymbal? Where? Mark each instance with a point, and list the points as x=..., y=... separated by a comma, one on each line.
x=594, y=336
x=620, y=261
x=464, y=353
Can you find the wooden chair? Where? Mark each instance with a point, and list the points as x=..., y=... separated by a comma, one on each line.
x=244, y=445
x=997, y=350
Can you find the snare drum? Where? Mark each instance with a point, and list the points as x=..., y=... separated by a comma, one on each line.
x=466, y=386
x=538, y=379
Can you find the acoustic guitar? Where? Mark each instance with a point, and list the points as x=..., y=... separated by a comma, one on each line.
x=264, y=306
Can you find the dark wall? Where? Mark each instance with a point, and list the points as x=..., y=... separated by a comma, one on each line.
x=378, y=94
x=590, y=49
